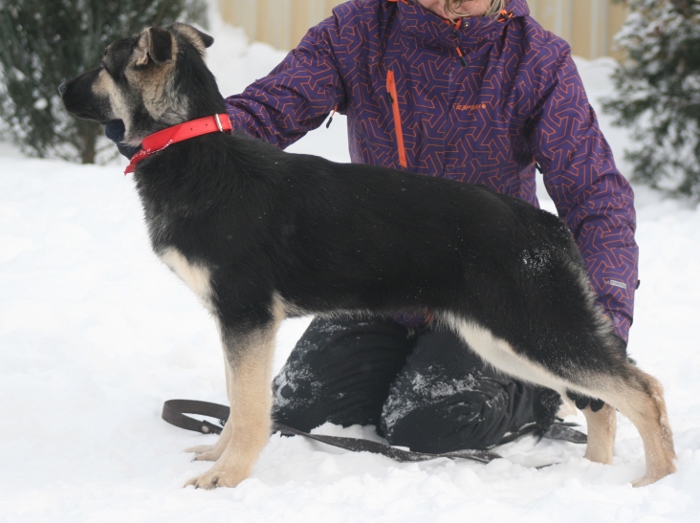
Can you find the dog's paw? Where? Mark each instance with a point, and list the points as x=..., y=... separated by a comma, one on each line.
x=656, y=471
x=644, y=481
x=215, y=478
x=649, y=478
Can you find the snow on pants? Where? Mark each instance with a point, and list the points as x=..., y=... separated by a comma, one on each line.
x=422, y=388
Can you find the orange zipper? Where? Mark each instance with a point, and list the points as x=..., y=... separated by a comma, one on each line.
x=394, y=100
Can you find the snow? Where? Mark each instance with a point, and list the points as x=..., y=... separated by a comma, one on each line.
x=95, y=334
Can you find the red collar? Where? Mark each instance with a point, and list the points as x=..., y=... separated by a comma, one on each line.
x=158, y=141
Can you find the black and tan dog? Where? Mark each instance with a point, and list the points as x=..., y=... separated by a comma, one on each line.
x=260, y=235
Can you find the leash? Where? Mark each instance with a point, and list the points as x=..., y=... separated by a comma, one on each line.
x=175, y=412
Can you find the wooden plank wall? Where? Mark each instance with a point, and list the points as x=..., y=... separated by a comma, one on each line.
x=588, y=25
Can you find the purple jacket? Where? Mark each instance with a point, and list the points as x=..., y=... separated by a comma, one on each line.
x=482, y=103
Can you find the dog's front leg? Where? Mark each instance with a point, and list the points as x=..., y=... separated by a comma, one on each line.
x=214, y=452
x=248, y=358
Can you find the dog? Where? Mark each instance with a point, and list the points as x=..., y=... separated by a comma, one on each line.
x=260, y=235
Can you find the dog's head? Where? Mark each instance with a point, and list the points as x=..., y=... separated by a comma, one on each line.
x=151, y=81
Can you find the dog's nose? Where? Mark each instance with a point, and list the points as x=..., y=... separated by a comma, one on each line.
x=62, y=88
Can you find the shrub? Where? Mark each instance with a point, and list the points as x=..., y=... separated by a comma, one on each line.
x=45, y=42
x=658, y=93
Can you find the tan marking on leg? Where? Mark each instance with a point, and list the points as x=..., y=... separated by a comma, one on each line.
x=639, y=397
x=644, y=405
x=214, y=452
x=601, y=434
x=250, y=396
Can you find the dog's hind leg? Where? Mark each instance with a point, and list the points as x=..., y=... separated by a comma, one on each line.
x=639, y=397
x=642, y=402
x=601, y=433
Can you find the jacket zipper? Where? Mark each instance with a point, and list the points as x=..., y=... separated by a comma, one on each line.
x=394, y=101
x=455, y=34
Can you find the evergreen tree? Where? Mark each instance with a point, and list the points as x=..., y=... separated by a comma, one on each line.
x=658, y=93
x=45, y=42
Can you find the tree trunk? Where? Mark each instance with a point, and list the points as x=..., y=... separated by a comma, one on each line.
x=88, y=133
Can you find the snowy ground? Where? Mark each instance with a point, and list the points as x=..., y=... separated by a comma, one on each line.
x=95, y=334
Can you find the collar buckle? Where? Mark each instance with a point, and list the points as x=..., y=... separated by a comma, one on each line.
x=218, y=123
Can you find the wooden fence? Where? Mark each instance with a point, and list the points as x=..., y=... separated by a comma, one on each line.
x=588, y=25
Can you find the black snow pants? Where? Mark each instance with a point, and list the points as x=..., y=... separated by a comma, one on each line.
x=422, y=388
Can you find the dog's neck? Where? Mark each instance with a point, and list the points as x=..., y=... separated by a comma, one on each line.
x=143, y=123
x=158, y=141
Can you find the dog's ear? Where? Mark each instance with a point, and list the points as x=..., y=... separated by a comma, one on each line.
x=196, y=37
x=205, y=38
x=155, y=45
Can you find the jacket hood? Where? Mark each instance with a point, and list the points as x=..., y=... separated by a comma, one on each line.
x=434, y=31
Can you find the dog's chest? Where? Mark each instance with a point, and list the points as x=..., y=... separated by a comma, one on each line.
x=196, y=276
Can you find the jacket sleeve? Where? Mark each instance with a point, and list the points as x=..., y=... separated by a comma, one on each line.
x=590, y=194
x=297, y=95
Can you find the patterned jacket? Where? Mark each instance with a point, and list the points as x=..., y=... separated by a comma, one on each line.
x=483, y=102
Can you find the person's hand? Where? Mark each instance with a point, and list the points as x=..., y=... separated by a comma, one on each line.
x=582, y=401
x=114, y=130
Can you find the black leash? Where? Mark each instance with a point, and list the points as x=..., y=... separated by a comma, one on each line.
x=174, y=412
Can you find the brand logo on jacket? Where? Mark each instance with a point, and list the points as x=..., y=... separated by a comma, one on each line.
x=470, y=107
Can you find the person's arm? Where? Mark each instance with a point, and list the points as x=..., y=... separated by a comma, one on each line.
x=297, y=95
x=590, y=194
